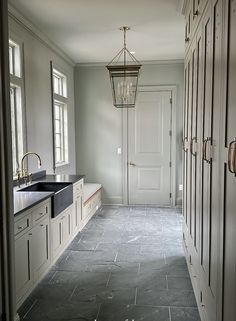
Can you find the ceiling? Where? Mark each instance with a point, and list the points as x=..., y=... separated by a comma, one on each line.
x=88, y=30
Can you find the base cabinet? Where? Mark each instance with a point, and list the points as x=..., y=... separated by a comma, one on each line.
x=61, y=231
x=23, y=264
x=32, y=248
x=40, y=248
x=78, y=207
x=40, y=239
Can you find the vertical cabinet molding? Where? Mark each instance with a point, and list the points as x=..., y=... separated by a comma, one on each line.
x=209, y=228
x=78, y=206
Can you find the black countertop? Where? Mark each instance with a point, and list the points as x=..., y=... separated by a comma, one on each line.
x=26, y=200
x=63, y=178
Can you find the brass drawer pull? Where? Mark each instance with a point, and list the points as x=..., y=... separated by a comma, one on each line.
x=184, y=144
x=232, y=156
x=204, y=152
x=194, y=139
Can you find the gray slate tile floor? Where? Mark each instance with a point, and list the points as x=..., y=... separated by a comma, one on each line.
x=126, y=265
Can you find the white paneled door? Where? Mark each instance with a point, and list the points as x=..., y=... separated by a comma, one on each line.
x=149, y=149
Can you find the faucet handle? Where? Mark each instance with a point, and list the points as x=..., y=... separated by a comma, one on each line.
x=30, y=178
x=18, y=173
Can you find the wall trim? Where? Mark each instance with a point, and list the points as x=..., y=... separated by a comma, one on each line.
x=38, y=34
x=146, y=62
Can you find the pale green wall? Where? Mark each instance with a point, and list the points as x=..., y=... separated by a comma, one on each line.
x=37, y=57
x=99, y=125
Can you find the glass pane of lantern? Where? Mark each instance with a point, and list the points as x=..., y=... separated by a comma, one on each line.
x=124, y=89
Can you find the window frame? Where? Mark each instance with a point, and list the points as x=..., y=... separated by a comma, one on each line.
x=17, y=83
x=62, y=101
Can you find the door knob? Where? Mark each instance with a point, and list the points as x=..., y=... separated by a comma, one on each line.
x=131, y=163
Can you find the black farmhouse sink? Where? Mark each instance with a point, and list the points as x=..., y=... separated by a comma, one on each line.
x=60, y=200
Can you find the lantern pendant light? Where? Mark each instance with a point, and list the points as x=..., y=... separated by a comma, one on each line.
x=124, y=75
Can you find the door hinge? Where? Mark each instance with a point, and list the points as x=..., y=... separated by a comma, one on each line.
x=170, y=100
x=170, y=195
x=170, y=164
x=170, y=132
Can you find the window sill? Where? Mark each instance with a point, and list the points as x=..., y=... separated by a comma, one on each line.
x=59, y=165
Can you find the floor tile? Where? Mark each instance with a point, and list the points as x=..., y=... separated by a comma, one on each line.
x=154, y=296
x=102, y=294
x=184, y=314
x=114, y=312
x=179, y=283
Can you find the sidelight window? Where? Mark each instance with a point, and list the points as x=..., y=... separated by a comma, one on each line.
x=16, y=103
x=60, y=118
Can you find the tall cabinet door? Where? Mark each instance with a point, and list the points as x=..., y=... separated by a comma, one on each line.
x=187, y=139
x=210, y=223
x=206, y=139
x=229, y=263
x=197, y=141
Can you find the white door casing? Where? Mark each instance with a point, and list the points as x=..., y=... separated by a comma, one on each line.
x=149, y=148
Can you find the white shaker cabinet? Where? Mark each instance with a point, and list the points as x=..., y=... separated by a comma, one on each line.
x=32, y=250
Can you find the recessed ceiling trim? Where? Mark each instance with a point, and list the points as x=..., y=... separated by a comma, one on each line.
x=147, y=62
x=38, y=34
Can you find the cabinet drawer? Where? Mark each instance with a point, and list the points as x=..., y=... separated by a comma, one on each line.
x=40, y=212
x=78, y=187
x=22, y=225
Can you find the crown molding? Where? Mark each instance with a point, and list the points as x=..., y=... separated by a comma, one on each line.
x=38, y=34
x=146, y=62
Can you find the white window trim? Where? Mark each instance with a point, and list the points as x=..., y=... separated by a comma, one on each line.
x=18, y=80
x=61, y=99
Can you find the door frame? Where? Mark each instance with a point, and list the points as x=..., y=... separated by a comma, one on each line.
x=125, y=173
x=6, y=181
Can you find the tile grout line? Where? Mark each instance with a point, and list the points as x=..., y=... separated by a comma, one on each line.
x=139, y=268
x=31, y=307
x=169, y=313
x=72, y=293
x=136, y=294
x=108, y=280
x=98, y=312
x=167, y=284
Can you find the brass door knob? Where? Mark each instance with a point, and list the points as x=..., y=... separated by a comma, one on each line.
x=131, y=163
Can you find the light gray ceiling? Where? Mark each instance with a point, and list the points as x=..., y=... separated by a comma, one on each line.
x=88, y=30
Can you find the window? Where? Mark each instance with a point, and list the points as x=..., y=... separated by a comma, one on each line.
x=16, y=94
x=60, y=118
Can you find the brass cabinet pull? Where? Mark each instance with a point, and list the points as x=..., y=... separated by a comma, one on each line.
x=131, y=163
x=232, y=156
x=204, y=153
x=194, y=139
x=187, y=39
x=185, y=139
x=196, y=13
x=204, y=150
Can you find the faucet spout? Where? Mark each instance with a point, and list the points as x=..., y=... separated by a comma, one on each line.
x=24, y=172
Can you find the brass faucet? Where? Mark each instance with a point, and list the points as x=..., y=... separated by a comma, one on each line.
x=23, y=173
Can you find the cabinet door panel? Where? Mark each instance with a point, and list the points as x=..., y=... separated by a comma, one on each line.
x=23, y=268
x=192, y=145
x=41, y=251
x=56, y=236
x=199, y=114
x=206, y=167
